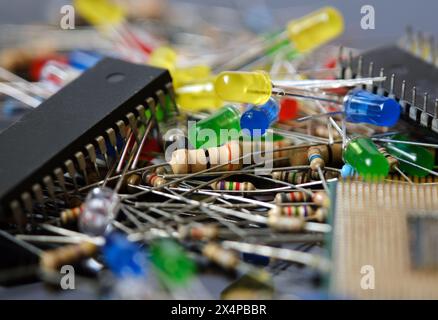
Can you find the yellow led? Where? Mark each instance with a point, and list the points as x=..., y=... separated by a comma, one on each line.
x=315, y=29
x=245, y=87
x=198, y=96
x=163, y=57
x=187, y=75
x=100, y=12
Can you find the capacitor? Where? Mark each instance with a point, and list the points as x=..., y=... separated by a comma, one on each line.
x=232, y=185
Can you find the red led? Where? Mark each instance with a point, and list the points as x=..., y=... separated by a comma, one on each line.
x=288, y=109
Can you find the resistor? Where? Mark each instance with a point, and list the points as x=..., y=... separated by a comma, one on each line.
x=314, y=156
x=69, y=216
x=286, y=224
x=255, y=146
x=133, y=179
x=191, y=161
x=232, y=185
x=294, y=177
x=331, y=154
x=393, y=162
x=306, y=213
x=327, y=175
x=318, y=198
x=199, y=232
x=222, y=257
x=151, y=179
x=54, y=259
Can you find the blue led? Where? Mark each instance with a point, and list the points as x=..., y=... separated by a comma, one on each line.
x=123, y=257
x=257, y=119
x=347, y=171
x=363, y=106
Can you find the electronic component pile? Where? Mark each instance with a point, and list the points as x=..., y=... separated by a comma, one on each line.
x=163, y=170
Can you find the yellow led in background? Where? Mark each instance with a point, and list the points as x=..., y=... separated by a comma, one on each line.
x=100, y=12
x=315, y=29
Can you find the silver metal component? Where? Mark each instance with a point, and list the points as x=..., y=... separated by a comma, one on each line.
x=391, y=87
x=435, y=117
x=359, y=67
x=380, y=88
x=370, y=74
x=413, y=108
x=424, y=118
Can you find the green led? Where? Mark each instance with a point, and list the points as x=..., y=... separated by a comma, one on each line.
x=362, y=154
x=415, y=154
x=171, y=261
x=207, y=132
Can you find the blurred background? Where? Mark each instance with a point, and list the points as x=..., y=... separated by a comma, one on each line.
x=392, y=16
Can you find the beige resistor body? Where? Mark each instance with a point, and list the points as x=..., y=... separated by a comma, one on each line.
x=191, y=161
x=232, y=185
x=223, y=257
x=331, y=154
x=308, y=213
x=71, y=215
x=69, y=254
x=201, y=232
